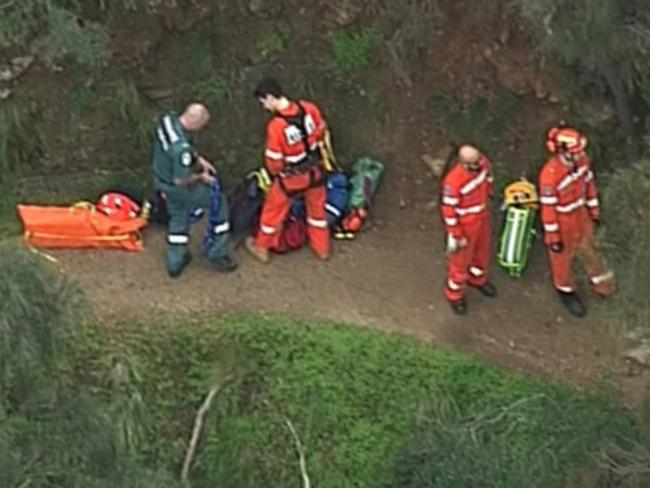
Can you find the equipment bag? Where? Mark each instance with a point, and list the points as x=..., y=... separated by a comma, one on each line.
x=516, y=240
x=294, y=236
x=245, y=205
x=338, y=194
x=363, y=185
x=336, y=204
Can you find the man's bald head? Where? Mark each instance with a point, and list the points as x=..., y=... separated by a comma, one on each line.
x=195, y=117
x=469, y=156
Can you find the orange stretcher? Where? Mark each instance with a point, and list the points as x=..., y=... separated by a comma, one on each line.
x=80, y=226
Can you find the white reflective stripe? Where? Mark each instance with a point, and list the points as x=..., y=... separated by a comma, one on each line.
x=450, y=201
x=473, y=184
x=178, y=238
x=592, y=202
x=571, y=206
x=551, y=227
x=322, y=224
x=221, y=228
x=332, y=209
x=167, y=122
x=161, y=138
x=470, y=210
x=490, y=179
x=452, y=285
x=565, y=289
x=314, y=146
x=548, y=200
x=589, y=177
x=296, y=159
x=475, y=271
x=451, y=221
x=267, y=230
x=570, y=178
x=597, y=280
x=511, y=250
x=272, y=154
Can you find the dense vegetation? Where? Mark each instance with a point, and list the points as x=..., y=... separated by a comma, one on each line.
x=83, y=406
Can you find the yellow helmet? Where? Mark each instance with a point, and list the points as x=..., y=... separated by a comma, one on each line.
x=521, y=193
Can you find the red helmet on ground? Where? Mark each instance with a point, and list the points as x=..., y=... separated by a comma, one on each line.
x=118, y=206
x=565, y=139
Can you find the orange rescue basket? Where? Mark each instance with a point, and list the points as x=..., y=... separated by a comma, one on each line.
x=80, y=226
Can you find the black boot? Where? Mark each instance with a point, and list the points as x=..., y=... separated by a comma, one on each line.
x=225, y=264
x=488, y=290
x=187, y=259
x=573, y=304
x=459, y=307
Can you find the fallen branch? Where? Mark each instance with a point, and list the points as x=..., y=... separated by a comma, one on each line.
x=301, y=455
x=198, y=427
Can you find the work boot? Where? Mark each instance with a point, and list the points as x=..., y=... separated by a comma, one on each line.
x=224, y=264
x=323, y=257
x=459, y=307
x=573, y=304
x=187, y=259
x=259, y=254
x=487, y=290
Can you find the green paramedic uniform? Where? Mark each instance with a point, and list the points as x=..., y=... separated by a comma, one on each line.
x=174, y=157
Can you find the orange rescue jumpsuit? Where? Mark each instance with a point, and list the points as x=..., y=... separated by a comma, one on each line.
x=569, y=208
x=295, y=164
x=466, y=214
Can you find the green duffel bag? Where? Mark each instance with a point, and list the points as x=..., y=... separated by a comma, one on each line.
x=363, y=185
x=516, y=241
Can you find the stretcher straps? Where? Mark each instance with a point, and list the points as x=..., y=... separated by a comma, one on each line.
x=115, y=238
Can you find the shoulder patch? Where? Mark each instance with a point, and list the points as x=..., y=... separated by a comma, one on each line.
x=547, y=190
x=446, y=191
x=187, y=159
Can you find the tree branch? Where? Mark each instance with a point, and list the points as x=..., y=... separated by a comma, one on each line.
x=198, y=426
x=306, y=483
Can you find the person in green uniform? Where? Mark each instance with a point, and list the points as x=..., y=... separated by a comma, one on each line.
x=188, y=181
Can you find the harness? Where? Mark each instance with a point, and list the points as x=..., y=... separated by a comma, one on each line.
x=310, y=164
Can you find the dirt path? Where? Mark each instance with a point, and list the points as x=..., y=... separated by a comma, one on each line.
x=390, y=278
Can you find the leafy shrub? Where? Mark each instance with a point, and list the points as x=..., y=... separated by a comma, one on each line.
x=68, y=37
x=362, y=404
x=215, y=92
x=352, y=53
x=625, y=238
x=132, y=115
x=21, y=141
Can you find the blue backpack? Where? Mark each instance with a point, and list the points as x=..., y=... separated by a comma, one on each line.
x=336, y=204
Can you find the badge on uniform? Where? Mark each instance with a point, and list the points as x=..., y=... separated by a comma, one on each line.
x=187, y=158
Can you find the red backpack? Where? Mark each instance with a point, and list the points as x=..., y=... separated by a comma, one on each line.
x=294, y=236
x=118, y=206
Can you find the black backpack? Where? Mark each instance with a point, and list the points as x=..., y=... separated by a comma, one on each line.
x=245, y=206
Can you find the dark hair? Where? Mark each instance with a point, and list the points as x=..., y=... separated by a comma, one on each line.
x=268, y=86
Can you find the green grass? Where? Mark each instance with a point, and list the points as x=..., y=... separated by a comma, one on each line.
x=352, y=52
x=364, y=404
x=271, y=45
x=215, y=92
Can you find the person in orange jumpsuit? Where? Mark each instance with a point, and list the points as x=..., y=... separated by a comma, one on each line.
x=465, y=209
x=292, y=158
x=570, y=211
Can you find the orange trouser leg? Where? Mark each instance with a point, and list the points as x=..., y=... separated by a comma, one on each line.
x=601, y=279
x=480, y=259
x=274, y=212
x=458, y=265
x=317, y=228
x=561, y=262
